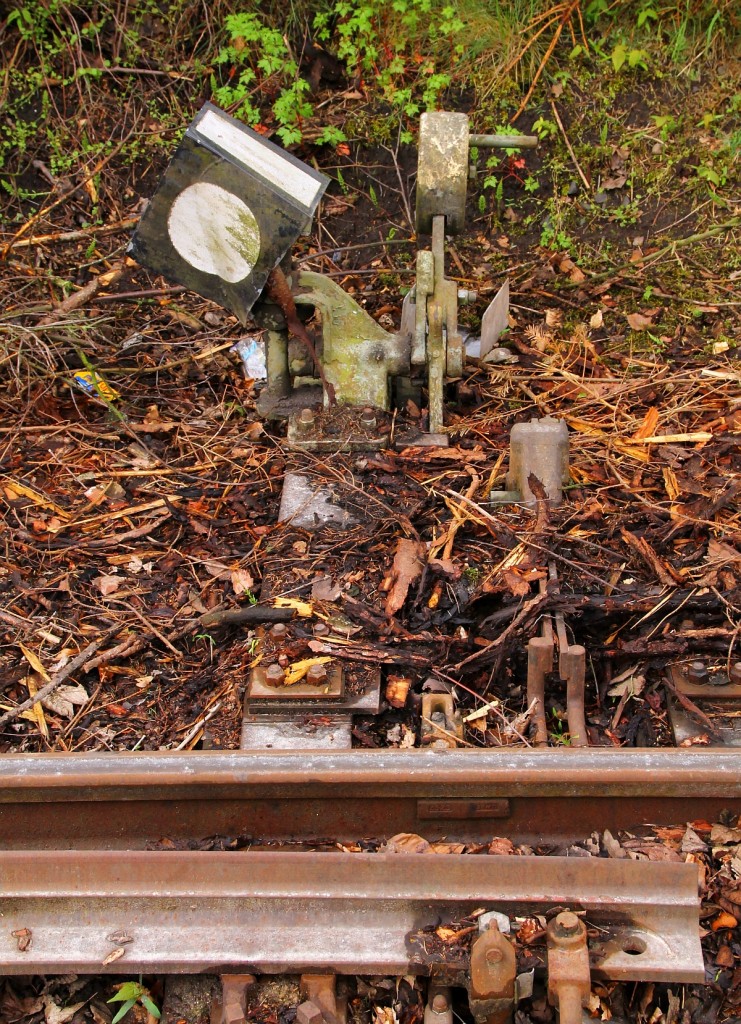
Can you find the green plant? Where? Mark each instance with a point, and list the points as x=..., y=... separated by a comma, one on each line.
x=545, y=128
x=559, y=736
x=408, y=49
x=131, y=993
x=634, y=57
x=258, y=60
x=210, y=641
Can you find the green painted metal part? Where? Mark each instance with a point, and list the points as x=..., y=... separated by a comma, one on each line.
x=358, y=355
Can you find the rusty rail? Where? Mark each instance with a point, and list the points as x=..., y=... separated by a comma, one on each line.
x=125, y=801
x=276, y=912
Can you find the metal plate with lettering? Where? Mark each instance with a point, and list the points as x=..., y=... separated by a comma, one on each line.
x=461, y=810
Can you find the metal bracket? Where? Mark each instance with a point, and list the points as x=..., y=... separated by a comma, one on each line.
x=569, y=982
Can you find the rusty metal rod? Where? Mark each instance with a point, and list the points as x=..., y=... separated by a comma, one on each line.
x=539, y=664
x=573, y=669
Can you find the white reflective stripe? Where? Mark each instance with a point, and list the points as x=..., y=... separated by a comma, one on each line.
x=253, y=154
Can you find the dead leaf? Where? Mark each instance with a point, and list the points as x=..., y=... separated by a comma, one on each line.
x=242, y=582
x=115, y=954
x=723, y=835
x=24, y=937
x=325, y=589
x=595, y=320
x=217, y=569
x=615, y=182
x=691, y=842
x=531, y=930
x=406, y=569
x=515, y=583
x=55, y=1014
x=407, y=842
x=63, y=700
x=724, y=920
x=108, y=584
x=296, y=672
x=501, y=847
x=302, y=608
x=639, y=322
x=671, y=484
x=612, y=846
x=34, y=662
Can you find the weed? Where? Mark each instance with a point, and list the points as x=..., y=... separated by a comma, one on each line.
x=545, y=128
x=258, y=59
x=131, y=993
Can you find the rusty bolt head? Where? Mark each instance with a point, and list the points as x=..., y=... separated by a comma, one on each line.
x=439, y=1003
x=321, y=629
x=309, y=1013
x=316, y=675
x=734, y=674
x=283, y=660
x=306, y=419
x=368, y=419
x=494, y=955
x=566, y=923
x=697, y=672
x=274, y=675
x=279, y=631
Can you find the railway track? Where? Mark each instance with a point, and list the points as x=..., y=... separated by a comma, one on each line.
x=279, y=858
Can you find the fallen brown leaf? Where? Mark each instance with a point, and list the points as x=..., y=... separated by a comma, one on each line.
x=406, y=569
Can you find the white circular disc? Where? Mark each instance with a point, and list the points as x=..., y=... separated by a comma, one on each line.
x=214, y=231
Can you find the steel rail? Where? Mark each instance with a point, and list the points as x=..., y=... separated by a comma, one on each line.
x=276, y=912
x=130, y=800
x=127, y=801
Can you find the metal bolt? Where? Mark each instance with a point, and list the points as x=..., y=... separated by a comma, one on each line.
x=439, y=1003
x=697, y=672
x=306, y=419
x=309, y=1013
x=567, y=923
x=494, y=956
x=734, y=673
x=279, y=631
x=321, y=629
x=317, y=675
x=368, y=419
x=467, y=296
x=274, y=675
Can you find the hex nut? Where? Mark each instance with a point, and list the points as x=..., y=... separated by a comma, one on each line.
x=279, y=631
x=316, y=675
x=439, y=1003
x=274, y=675
x=697, y=672
x=321, y=629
